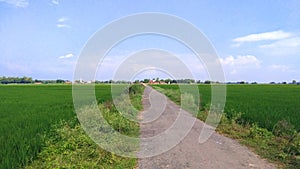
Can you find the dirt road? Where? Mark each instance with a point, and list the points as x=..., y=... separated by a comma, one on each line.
x=218, y=152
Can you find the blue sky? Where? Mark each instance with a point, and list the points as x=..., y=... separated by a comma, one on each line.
x=255, y=40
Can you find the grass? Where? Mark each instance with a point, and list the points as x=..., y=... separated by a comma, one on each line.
x=263, y=117
x=31, y=114
x=70, y=147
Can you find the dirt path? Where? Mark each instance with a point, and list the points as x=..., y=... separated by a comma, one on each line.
x=217, y=152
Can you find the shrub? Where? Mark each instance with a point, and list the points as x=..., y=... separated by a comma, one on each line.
x=256, y=131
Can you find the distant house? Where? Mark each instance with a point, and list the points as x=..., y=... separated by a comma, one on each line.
x=153, y=82
x=68, y=82
x=156, y=82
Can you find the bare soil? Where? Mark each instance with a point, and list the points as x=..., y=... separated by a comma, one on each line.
x=217, y=152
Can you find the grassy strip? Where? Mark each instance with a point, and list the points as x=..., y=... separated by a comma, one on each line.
x=281, y=145
x=68, y=146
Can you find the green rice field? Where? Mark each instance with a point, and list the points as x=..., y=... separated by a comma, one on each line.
x=27, y=112
x=261, y=104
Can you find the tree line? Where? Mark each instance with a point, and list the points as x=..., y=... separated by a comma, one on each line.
x=27, y=80
x=23, y=80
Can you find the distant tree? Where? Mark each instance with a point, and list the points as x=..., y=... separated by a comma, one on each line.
x=60, y=81
x=207, y=82
x=284, y=82
x=189, y=81
x=146, y=80
x=7, y=80
x=28, y=80
x=167, y=80
x=49, y=81
x=294, y=82
x=37, y=81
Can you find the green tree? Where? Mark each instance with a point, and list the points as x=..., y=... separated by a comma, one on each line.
x=167, y=80
x=60, y=81
x=207, y=82
x=146, y=80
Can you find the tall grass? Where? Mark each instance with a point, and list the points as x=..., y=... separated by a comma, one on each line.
x=70, y=147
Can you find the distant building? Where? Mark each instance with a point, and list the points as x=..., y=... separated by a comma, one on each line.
x=156, y=82
x=68, y=82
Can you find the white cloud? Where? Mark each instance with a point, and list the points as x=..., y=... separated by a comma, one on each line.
x=55, y=2
x=283, y=48
x=275, y=35
x=61, y=22
x=282, y=68
x=247, y=60
x=70, y=55
x=250, y=68
x=62, y=19
x=63, y=26
x=17, y=3
x=290, y=42
x=242, y=67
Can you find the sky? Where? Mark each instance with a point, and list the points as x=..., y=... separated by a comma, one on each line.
x=255, y=40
